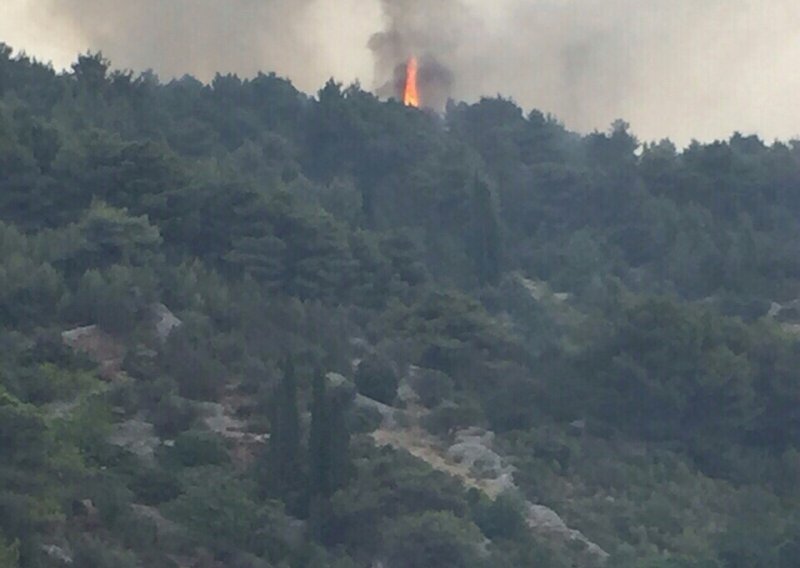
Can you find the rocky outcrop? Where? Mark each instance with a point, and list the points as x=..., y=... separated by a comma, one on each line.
x=221, y=418
x=787, y=315
x=106, y=350
x=99, y=346
x=473, y=448
x=59, y=555
x=472, y=459
x=547, y=522
x=136, y=436
x=163, y=526
x=165, y=322
x=386, y=412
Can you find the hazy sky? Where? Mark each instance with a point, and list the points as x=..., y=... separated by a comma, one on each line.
x=673, y=68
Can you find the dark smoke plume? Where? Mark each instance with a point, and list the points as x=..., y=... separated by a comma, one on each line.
x=428, y=30
x=681, y=68
x=678, y=68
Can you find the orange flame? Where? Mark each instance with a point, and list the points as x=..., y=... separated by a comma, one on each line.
x=410, y=93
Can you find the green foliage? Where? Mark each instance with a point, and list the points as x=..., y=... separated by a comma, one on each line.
x=329, y=451
x=94, y=552
x=622, y=316
x=376, y=378
x=172, y=415
x=109, y=495
x=153, y=485
x=189, y=358
x=24, y=435
x=456, y=335
x=29, y=286
x=386, y=485
x=484, y=239
x=284, y=472
x=450, y=416
x=365, y=419
x=432, y=387
x=501, y=518
x=89, y=426
x=116, y=299
x=9, y=553
x=433, y=539
x=111, y=236
x=194, y=449
x=218, y=508
x=675, y=370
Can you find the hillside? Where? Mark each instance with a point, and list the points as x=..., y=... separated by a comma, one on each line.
x=245, y=326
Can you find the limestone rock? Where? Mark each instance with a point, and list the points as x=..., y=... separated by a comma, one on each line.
x=165, y=321
x=544, y=520
x=99, y=346
x=473, y=448
x=136, y=436
x=58, y=554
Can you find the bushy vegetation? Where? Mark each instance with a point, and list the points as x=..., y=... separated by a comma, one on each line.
x=620, y=314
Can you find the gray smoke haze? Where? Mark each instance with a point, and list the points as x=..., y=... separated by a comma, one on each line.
x=684, y=68
x=300, y=39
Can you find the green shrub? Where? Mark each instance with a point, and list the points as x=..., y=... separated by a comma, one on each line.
x=449, y=417
x=193, y=448
x=153, y=486
x=189, y=358
x=365, y=419
x=500, y=518
x=432, y=539
x=218, y=508
x=98, y=554
x=9, y=553
x=110, y=496
x=377, y=379
x=432, y=386
x=173, y=415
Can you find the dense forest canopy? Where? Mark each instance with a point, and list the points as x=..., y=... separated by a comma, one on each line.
x=218, y=301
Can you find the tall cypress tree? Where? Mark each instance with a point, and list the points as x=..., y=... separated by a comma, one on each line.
x=284, y=468
x=318, y=446
x=328, y=445
x=484, y=237
x=338, y=438
x=318, y=459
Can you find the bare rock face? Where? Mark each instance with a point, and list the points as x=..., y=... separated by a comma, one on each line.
x=61, y=556
x=221, y=419
x=163, y=526
x=218, y=420
x=109, y=352
x=545, y=521
x=405, y=392
x=787, y=315
x=473, y=459
x=99, y=346
x=136, y=436
x=386, y=412
x=165, y=321
x=473, y=448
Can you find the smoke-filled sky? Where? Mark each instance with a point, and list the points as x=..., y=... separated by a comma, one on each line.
x=673, y=68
